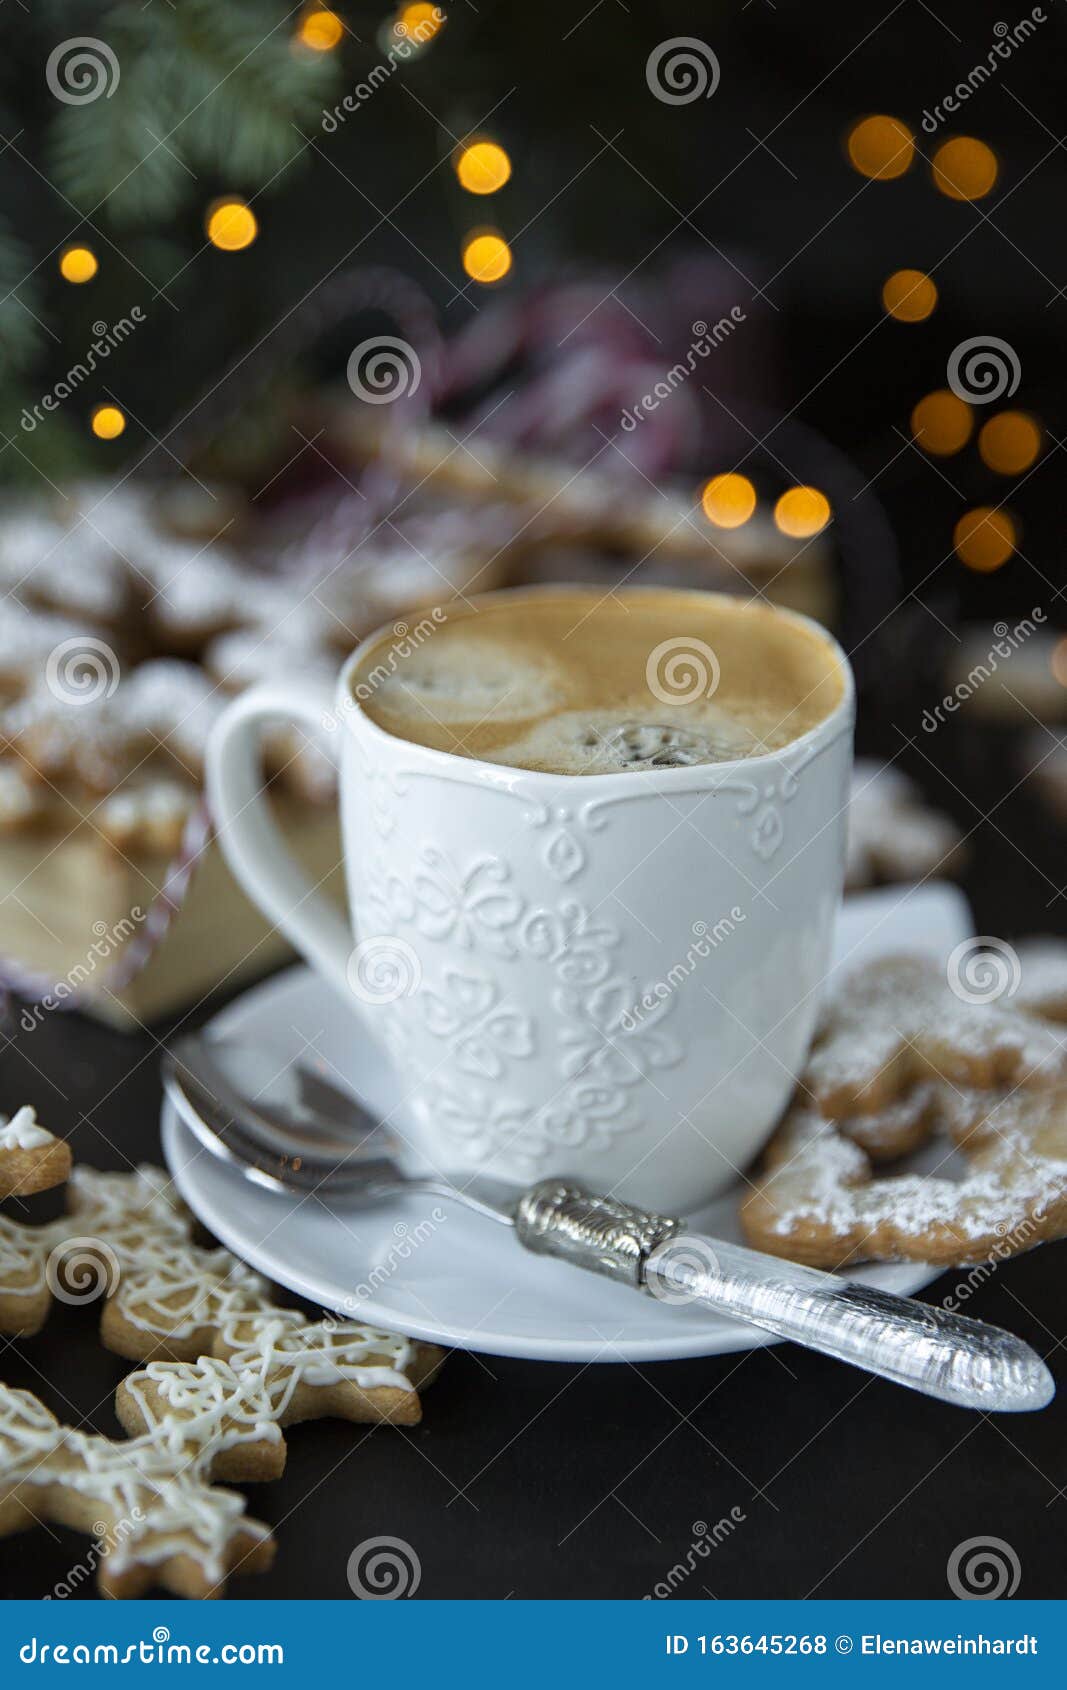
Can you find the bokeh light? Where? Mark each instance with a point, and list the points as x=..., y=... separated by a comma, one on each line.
x=964, y=169
x=802, y=512
x=1010, y=442
x=420, y=23
x=1058, y=661
x=881, y=147
x=482, y=167
x=909, y=296
x=942, y=423
x=108, y=422
x=486, y=257
x=78, y=264
x=321, y=30
x=231, y=225
x=984, y=538
x=728, y=500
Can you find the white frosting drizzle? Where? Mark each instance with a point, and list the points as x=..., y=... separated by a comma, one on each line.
x=153, y=1492
x=21, y=1131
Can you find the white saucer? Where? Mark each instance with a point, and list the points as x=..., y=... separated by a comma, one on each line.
x=458, y=1280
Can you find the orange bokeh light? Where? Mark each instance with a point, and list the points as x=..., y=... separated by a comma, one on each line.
x=231, y=225
x=321, y=30
x=909, y=296
x=1010, y=442
x=964, y=169
x=78, y=264
x=942, y=423
x=482, y=167
x=487, y=257
x=881, y=147
x=108, y=422
x=728, y=500
x=802, y=512
x=984, y=538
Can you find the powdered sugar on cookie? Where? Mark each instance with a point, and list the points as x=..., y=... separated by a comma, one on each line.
x=897, y=1021
x=818, y=1202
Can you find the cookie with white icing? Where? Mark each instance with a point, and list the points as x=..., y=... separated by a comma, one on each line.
x=31, y=1159
x=128, y=1242
x=192, y=1416
x=149, y=1502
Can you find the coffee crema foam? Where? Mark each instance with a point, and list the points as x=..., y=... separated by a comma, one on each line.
x=575, y=683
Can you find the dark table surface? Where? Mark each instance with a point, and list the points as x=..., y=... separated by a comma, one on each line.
x=532, y=1479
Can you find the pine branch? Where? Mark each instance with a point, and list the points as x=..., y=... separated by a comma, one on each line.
x=204, y=87
x=20, y=333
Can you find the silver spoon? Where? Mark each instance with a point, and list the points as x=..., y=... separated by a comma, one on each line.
x=300, y=1134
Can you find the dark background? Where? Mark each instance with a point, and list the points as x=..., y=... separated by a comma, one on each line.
x=537, y=1480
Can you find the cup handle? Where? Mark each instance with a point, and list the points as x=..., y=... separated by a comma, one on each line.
x=249, y=836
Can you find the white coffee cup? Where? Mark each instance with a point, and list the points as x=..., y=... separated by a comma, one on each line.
x=614, y=976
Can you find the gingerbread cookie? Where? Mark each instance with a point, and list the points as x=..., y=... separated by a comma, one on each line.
x=897, y=1022
x=70, y=568
x=149, y=1502
x=160, y=708
x=128, y=1238
x=193, y=1417
x=31, y=1159
x=24, y=800
x=818, y=1203
x=148, y=812
x=152, y=1500
x=901, y=1127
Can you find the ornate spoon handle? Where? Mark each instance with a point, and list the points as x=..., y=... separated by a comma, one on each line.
x=945, y=1355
